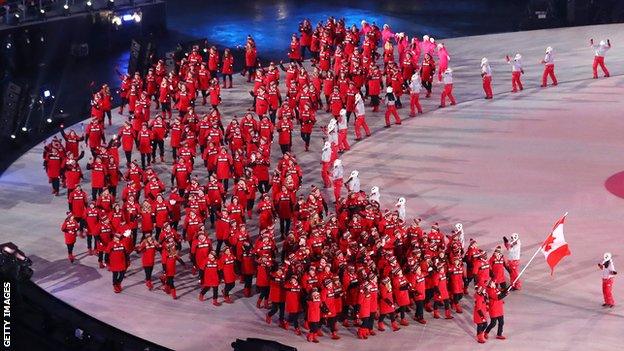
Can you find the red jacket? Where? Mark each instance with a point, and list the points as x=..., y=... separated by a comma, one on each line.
x=386, y=300
x=479, y=306
x=211, y=274
x=117, y=256
x=293, y=297
x=495, y=304
x=400, y=286
x=70, y=229
x=314, y=311
x=364, y=303
x=276, y=292
x=226, y=265
x=149, y=253
x=222, y=228
x=78, y=202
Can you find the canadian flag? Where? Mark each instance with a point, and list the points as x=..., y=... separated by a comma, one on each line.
x=555, y=248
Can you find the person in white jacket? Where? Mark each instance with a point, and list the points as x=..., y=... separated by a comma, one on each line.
x=514, y=247
x=516, y=71
x=608, y=274
x=332, y=137
x=343, y=128
x=415, y=87
x=360, y=118
x=374, y=194
x=549, y=67
x=486, y=74
x=338, y=178
x=599, y=54
x=400, y=205
x=326, y=163
x=447, y=78
x=353, y=183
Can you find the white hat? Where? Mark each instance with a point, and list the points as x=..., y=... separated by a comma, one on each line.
x=606, y=257
x=440, y=45
x=337, y=162
x=484, y=61
x=343, y=112
x=172, y=202
x=127, y=233
x=389, y=90
x=425, y=37
x=375, y=190
x=327, y=145
x=603, y=43
x=515, y=236
x=432, y=40
x=401, y=201
x=358, y=97
x=354, y=174
x=459, y=227
x=549, y=49
x=517, y=57
x=448, y=70
x=363, y=22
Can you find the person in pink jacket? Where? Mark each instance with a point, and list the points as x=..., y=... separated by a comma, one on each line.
x=443, y=60
x=386, y=33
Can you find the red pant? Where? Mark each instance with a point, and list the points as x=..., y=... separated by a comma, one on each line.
x=360, y=122
x=599, y=61
x=343, y=144
x=415, y=104
x=392, y=110
x=549, y=70
x=513, y=272
x=487, y=86
x=337, y=188
x=325, y=174
x=447, y=92
x=515, y=81
x=607, y=285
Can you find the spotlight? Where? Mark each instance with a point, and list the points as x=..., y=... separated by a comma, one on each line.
x=89, y=4
x=111, y=4
x=66, y=11
x=42, y=39
x=13, y=136
x=46, y=93
x=116, y=20
x=8, y=46
x=49, y=120
x=24, y=129
x=137, y=16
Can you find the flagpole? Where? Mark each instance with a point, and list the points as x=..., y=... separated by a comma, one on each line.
x=525, y=267
x=528, y=263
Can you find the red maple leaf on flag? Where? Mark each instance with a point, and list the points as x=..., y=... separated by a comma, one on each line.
x=547, y=244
